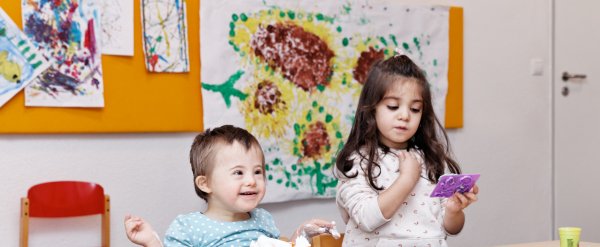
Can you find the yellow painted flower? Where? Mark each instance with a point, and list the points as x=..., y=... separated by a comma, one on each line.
x=301, y=46
x=269, y=103
x=317, y=133
x=318, y=137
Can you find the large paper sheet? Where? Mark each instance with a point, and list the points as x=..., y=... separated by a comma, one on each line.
x=291, y=72
x=20, y=60
x=68, y=33
x=117, y=27
x=164, y=24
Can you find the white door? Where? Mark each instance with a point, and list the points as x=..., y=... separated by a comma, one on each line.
x=577, y=116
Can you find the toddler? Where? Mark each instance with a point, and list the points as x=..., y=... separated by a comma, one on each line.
x=229, y=174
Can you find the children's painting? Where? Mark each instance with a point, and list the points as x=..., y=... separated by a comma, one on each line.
x=68, y=34
x=117, y=27
x=20, y=60
x=291, y=72
x=164, y=24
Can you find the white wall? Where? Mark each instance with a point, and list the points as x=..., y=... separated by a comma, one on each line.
x=507, y=131
x=506, y=138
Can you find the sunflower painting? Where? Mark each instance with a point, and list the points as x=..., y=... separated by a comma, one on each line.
x=291, y=72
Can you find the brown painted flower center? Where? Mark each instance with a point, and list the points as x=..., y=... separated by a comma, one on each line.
x=267, y=98
x=316, y=140
x=301, y=56
x=366, y=59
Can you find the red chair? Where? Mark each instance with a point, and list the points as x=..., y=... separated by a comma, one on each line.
x=65, y=199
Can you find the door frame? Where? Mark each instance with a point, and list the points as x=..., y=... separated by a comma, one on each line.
x=553, y=116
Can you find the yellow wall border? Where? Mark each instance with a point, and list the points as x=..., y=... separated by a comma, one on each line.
x=135, y=100
x=454, y=99
x=138, y=101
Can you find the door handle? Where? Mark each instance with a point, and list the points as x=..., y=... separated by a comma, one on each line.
x=566, y=76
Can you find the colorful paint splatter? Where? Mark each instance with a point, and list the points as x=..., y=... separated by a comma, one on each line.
x=291, y=71
x=165, y=35
x=20, y=62
x=67, y=32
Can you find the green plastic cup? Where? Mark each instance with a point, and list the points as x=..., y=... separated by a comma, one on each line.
x=569, y=236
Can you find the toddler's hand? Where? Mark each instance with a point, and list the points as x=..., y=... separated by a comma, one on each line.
x=140, y=232
x=409, y=166
x=459, y=201
x=316, y=227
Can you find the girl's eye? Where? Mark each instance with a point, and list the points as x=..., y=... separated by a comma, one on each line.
x=238, y=172
x=258, y=172
x=392, y=107
x=415, y=110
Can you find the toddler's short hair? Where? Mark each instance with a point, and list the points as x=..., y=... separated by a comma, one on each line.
x=207, y=144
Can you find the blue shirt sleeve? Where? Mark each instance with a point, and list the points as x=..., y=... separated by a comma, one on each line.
x=178, y=234
x=265, y=219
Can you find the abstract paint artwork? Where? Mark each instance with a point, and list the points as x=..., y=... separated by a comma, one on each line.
x=164, y=25
x=291, y=72
x=20, y=62
x=117, y=27
x=68, y=34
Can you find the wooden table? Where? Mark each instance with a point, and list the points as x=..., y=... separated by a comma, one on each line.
x=555, y=243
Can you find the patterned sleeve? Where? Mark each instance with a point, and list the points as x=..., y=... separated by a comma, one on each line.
x=267, y=223
x=178, y=233
x=358, y=201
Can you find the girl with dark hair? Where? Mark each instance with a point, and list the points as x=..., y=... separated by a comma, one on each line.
x=396, y=151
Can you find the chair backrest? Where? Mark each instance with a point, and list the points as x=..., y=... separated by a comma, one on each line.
x=65, y=199
x=326, y=240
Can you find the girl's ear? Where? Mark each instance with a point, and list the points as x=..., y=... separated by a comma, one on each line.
x=202, y=183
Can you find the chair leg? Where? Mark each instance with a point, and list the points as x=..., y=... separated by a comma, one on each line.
x=24, y=229
x=106, y=222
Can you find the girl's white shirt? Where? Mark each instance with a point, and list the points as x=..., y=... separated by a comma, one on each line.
x=418, y=222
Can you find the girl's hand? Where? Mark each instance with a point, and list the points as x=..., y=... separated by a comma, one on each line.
x=459, y=201
x=409, y=166
x=140, y=232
